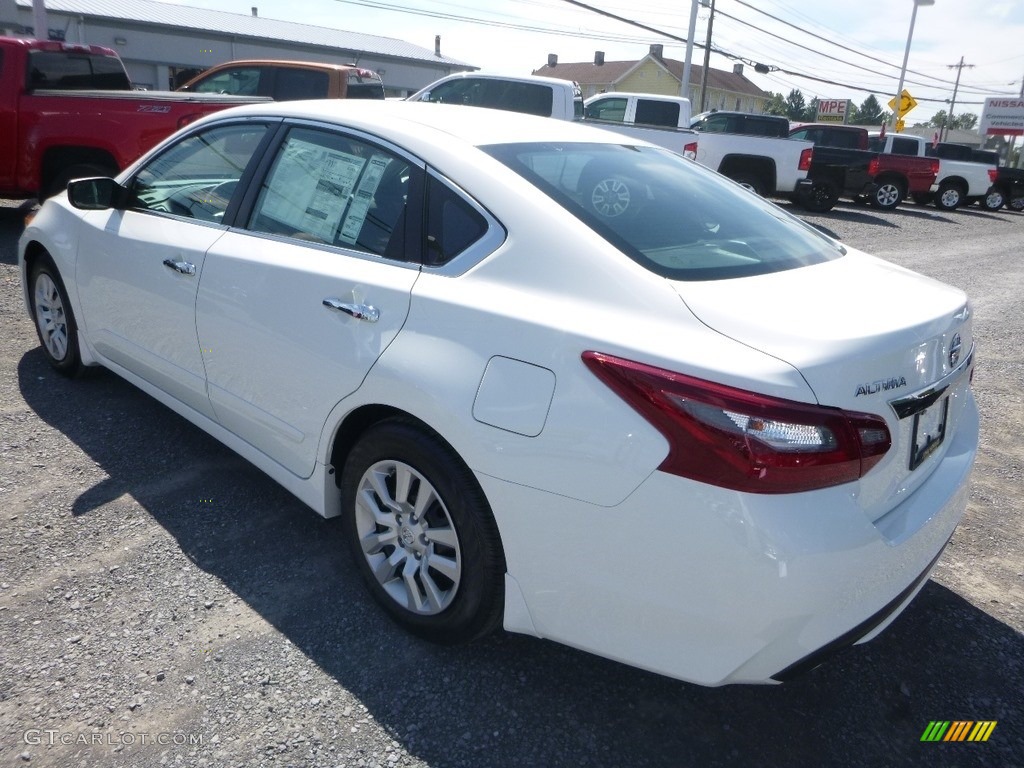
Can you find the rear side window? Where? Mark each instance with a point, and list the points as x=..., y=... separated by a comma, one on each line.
x=75, y=71
x=529, y=98
x=903, y=146
x=765, y=126
x=453, y=225
x=292, y=83
x=364, y=84
x=650, y=112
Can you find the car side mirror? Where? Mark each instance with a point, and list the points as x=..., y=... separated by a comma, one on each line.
x=98, y=194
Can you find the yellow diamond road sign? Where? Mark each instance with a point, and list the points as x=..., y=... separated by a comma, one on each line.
x=907, y=103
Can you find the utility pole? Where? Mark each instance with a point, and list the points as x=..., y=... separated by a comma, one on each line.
x=707, y=59
x=949, y=115
x=684, y=87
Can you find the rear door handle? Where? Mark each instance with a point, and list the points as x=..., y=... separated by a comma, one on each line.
x=184, y=267
x=358, y=311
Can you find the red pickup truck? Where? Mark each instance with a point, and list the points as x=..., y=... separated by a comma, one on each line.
x=69, y=110
x=844, y=166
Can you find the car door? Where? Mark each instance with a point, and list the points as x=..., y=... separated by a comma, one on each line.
x=298, y=302
x=138, y=268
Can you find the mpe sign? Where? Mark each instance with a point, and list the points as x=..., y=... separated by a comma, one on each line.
x=1002, y=116
x=832, y=110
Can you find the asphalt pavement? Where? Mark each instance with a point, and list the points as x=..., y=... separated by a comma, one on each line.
x=162, y=602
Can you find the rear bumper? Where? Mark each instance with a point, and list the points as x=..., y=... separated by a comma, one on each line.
x=717, y=587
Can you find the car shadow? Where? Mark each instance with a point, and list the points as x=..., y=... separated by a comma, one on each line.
x=512, y=700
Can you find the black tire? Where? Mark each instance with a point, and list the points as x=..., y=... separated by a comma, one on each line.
x=751, y=182
x=922, y=198
x=887, y=195
x=458, y=595
x=949, y=197
x=53, y=316
x=78, y=171
x=821, y=197
x=993, y=199
x=1017, y=204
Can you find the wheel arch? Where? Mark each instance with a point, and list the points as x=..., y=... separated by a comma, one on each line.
x=58, y=158
x=761, y=167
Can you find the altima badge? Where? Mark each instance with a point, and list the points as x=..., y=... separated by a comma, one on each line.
x=882, y=385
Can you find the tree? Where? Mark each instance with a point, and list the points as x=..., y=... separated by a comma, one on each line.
x=776, y=105
x=870, y=112
x=963, y=122
x=811, y=112
x=795, y=105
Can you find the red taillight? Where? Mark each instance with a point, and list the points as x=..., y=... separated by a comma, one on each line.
x=935, y=166
x=992, y=174
x=873, y=166
x=805, y=159
x=742, y=440
x=690, y=150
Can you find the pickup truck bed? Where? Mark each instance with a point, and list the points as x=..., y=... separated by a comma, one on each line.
x=54, y=135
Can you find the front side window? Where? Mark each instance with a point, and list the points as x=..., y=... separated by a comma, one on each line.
x=673, y=217
x=332, y=189
x=197, y=177
x=242, y=81
x=714, y=124
x=607, y=109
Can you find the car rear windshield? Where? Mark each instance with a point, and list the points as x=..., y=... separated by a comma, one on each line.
x=75, y=71
x=674, y=217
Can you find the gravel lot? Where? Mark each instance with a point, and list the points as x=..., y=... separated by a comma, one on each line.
x=162, y=602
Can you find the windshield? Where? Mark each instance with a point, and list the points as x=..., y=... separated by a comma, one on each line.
x=671, y=215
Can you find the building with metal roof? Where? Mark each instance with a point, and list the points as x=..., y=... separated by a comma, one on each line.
x=656, y=74
x=162, y=44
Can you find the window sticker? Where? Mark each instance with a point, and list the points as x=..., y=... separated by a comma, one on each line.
x=317, y=208
x=363, y=198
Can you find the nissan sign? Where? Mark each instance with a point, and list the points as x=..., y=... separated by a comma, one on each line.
x=1002, y=116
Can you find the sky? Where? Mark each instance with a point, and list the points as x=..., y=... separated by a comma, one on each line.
x=865, y=39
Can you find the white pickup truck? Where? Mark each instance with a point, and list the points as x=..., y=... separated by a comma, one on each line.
x=543, y=96
x=767, y=165
x=959, y=182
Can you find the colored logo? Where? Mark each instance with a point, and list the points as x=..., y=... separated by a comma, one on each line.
x=958, y=730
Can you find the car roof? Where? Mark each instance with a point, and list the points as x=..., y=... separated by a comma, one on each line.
x=281, y=63
x=409, y=123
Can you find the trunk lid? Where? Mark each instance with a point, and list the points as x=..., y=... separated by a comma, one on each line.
x=867, y=336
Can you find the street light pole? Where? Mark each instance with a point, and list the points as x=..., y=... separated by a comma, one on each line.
x=906, y=57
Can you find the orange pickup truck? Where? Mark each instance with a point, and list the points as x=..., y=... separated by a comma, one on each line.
x=288, y=80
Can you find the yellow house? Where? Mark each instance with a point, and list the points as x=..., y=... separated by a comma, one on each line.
x=656, y=74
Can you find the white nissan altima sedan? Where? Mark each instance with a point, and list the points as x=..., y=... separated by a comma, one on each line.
x=586, y=390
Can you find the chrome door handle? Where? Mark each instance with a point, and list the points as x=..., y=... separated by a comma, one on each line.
x=184, y=267
x=358, y=311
